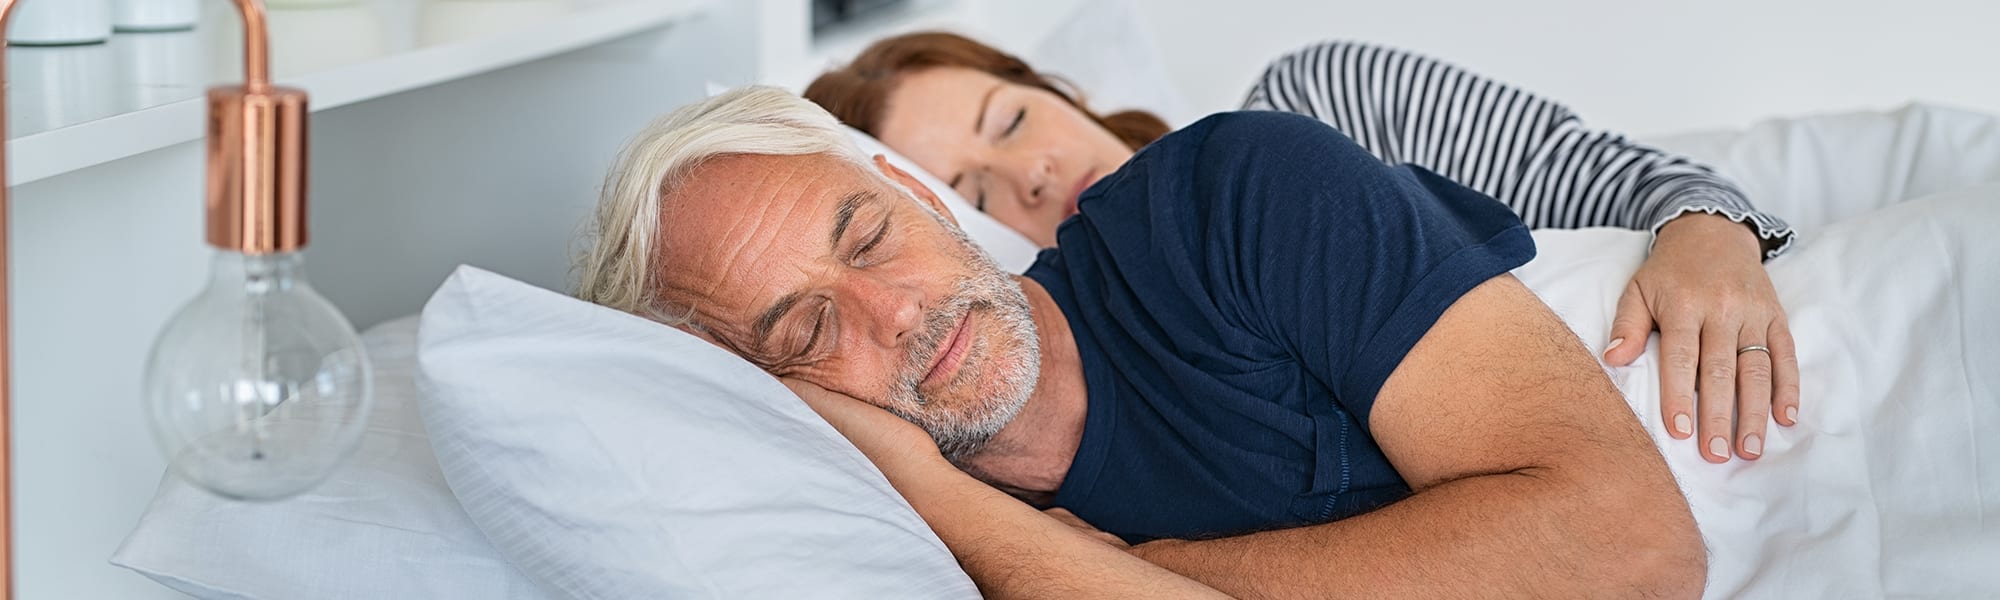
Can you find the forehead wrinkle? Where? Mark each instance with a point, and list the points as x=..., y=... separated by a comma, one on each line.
x=759, y=230
x=702, y=274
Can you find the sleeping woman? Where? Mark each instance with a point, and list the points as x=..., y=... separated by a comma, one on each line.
x=1023, y=148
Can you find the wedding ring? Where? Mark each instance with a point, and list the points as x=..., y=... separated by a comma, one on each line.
x=1753, y=348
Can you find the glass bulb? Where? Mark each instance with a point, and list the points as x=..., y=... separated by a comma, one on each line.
x=258, y=387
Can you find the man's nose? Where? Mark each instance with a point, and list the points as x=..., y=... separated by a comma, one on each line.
x=895, y=308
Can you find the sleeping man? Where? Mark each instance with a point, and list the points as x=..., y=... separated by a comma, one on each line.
x=1302, y=373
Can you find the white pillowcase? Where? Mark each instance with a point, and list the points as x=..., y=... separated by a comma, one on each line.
x=382, y=526
x=612, y=457
x=1820, y=170
x=1009, y=248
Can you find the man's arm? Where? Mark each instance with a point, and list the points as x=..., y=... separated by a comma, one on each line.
x=1010, y=549
x=1532, y=479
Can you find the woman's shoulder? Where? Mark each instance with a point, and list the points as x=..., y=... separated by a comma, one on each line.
x=1228, y=139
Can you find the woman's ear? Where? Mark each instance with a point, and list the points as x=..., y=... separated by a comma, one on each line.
x=916, y=187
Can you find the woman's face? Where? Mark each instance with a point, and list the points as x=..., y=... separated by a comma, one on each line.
x=1018, y=153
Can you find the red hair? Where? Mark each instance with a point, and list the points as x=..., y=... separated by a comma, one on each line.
x=858, y=93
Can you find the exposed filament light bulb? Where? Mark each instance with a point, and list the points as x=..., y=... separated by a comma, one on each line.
x=258, y=387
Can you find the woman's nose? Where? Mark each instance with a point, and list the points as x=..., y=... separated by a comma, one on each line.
x=1036, y=177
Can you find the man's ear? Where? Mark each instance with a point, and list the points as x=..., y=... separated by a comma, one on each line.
x=916, y=187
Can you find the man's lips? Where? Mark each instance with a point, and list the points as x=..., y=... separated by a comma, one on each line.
x=952, y=352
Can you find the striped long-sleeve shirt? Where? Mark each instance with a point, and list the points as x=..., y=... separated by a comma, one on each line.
x=1530, y=153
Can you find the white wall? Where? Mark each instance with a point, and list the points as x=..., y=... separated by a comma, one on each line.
x=1640, y=67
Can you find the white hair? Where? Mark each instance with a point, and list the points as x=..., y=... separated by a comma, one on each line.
x=624, y=239
x=619, y=269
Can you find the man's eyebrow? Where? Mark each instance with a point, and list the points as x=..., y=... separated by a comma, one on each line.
x=843, y=215
x=769, y=320
x=980, y=124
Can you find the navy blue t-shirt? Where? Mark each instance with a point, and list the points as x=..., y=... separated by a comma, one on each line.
x=1239, y=292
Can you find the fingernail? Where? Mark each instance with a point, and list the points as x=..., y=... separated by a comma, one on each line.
x=1792, y=414
x=1682, y=424
x=1753, y=445
x=1718, y=447
x=1613, y=345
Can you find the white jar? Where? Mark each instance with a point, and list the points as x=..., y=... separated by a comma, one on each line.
x=72, y=84
x=59, y=22
x=154, y=15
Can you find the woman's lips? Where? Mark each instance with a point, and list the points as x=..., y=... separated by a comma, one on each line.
x=952, y=353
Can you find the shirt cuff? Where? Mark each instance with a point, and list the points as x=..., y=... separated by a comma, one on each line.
x=1773, y=235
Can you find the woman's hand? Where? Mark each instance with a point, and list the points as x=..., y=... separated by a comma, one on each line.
x=892, y=443
x=1707, y=292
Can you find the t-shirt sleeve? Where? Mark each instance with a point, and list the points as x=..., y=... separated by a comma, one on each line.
x=1341, y=260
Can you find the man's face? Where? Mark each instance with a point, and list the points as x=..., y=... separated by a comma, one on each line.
x=812, y=268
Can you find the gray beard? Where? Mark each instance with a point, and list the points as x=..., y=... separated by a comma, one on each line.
x=963, y=430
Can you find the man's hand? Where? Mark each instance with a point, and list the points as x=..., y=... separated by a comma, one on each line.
x=1706, y=291
x=889, y=441
x=1010, y=549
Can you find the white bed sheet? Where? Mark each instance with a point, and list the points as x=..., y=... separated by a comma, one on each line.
x=1890, y=485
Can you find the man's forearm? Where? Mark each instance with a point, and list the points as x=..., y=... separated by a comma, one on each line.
x=1014, y=551
x=1532, y=479
x=1529, y=533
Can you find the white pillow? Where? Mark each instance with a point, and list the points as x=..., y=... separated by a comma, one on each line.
x=382, y=526
x=612, y=457
x=1823, y=169
x=1011, y=249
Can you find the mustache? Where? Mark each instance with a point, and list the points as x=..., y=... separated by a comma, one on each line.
x=937, y=328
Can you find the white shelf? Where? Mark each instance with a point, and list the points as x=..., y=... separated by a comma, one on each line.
x=81, y=145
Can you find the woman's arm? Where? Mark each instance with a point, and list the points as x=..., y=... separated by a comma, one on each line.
x=1010, y=549
x=1531, y=153
x=1702, y=287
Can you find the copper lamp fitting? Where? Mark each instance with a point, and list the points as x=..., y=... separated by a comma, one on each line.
x=256, y=154
x=256, y=168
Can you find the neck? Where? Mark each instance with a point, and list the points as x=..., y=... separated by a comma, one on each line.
x=1030, y=456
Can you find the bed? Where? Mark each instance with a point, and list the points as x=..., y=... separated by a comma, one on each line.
x=1889, y=487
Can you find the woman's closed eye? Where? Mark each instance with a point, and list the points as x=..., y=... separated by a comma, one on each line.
x=978, y=191
x=974, y=191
